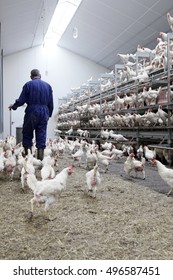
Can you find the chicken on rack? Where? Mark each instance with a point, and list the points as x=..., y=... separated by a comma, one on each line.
x=104, y=133
x=131, y=164
x=81, y=132
x=170, y=21
x=45, y=192
x=164, y=36
x=124, y=57
x=70, y=131
x=93, y=179
x=117, y=137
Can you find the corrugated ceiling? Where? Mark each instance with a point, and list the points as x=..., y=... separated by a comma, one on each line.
x=105, y=27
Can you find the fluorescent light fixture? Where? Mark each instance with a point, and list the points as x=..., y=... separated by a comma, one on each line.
x=62, y=16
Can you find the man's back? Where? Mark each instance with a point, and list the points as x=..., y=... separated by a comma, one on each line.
x=39, y=92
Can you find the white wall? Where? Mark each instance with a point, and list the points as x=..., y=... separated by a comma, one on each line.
x=59, y=67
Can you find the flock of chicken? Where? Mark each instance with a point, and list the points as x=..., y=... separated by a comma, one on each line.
x=96, y=109
x=53, y=182
x=111, y=112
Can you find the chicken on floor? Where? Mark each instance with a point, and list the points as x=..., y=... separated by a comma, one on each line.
x=93, y=179
x=131, y=164
x=77, y=156
x=104, y=160
x=165, y=173
x=45, y=192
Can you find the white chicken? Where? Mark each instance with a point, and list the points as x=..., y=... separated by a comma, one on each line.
x=105, y=160
x=37, y=163
x=78, y=155
x=131, y=164
x=106, y=145
x=52, y=160
x=93, y=179
x=164, y=36
x=2, y=161
x=28, y=168
x=107, y=152
x=162, y=114
x=104, y=133
x=10, y=163
x=54, y=147
x=149, y=154
x=124, y=57
x=118, y=153
x=70, y=131
x=18, y=149
x=71, y=146
x=165, y=173
x=7, y=145
x=48, y=150
x=47, y=171
x=170, y=21
x=119, y=102
x=45, y=192
x=81, y=132
x=91, y=158
x=152, y=95
x=61, y=147
x=20, y=161
x=57, y=131
x=117, y=137
x=140, y=152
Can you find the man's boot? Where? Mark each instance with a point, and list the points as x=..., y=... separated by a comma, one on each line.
x=40, y=153
x=26, y=151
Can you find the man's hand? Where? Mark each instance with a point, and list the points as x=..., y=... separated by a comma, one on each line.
x=10, y=107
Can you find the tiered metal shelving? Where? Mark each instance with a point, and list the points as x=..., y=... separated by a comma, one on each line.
x=156, y=135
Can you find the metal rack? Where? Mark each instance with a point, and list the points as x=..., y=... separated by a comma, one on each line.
x=152, y=135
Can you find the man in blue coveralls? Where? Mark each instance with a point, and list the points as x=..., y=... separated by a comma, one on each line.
x=38, y=96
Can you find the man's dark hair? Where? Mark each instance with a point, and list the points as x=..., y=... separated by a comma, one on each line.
x=35, y=73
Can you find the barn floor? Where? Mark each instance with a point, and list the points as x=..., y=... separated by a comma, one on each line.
x=129, y=219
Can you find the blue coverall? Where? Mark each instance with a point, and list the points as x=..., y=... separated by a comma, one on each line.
x=38, y=96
